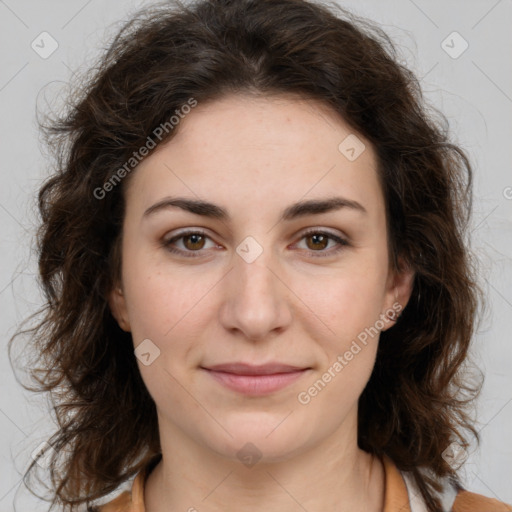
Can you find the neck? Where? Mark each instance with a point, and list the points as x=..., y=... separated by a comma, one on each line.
x=335, y=475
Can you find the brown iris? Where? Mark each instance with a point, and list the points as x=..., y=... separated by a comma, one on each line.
x=319, y=239
x=197, y=241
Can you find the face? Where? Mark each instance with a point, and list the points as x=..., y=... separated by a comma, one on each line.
x=255, y=280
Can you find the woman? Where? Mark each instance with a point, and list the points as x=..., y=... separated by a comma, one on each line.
x=259, y=295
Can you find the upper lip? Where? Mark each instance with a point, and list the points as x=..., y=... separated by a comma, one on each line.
x=250, y=369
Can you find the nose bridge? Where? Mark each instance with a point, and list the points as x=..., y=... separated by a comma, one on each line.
x=254, y=256
x=255, y=278
x=254, y=281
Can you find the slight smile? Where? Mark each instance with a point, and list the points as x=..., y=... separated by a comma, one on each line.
x=255, y=380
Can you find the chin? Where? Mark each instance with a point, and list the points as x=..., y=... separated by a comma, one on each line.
x=264, y=437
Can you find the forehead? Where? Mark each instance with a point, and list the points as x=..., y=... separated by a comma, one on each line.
x=285, y=124
x=260, y=151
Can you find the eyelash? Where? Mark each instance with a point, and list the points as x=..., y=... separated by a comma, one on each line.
x=189, y=254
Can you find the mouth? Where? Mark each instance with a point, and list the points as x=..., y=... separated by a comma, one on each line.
x=255, y=379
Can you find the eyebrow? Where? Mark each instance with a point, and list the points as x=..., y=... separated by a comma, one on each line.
x=294, y=211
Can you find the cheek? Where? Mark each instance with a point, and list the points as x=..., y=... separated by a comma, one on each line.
x=168, y=309
x=161, y=300
x=348, y=308
x=343, y=303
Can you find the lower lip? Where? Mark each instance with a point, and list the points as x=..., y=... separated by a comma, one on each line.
x=256, y=384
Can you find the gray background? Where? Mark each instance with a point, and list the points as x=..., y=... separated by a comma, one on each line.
x=473, y=90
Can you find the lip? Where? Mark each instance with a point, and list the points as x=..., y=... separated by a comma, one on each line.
x=255, y=379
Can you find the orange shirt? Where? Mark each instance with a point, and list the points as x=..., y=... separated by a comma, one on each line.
x=399, y=496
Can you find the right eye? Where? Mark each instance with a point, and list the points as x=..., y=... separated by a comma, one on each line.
x=193, y=241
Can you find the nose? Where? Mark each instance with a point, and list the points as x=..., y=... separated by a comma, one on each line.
x=256, y=298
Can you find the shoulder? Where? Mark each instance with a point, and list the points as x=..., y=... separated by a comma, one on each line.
x=453, y=497
x=131, y=500
x=467, y=501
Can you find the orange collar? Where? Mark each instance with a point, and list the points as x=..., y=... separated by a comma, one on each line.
x=396, y=498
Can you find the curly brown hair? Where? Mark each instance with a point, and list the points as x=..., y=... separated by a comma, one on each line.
x=416, y=401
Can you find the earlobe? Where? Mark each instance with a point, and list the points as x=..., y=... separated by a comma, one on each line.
x=117, y=304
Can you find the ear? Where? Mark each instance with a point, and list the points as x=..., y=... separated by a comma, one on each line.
x=398, y=292
x=117, y=303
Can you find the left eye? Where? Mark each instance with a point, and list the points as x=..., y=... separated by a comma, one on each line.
x=194, y=242
x=321, y=239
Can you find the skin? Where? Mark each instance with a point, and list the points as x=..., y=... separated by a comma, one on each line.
x=255, y=156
